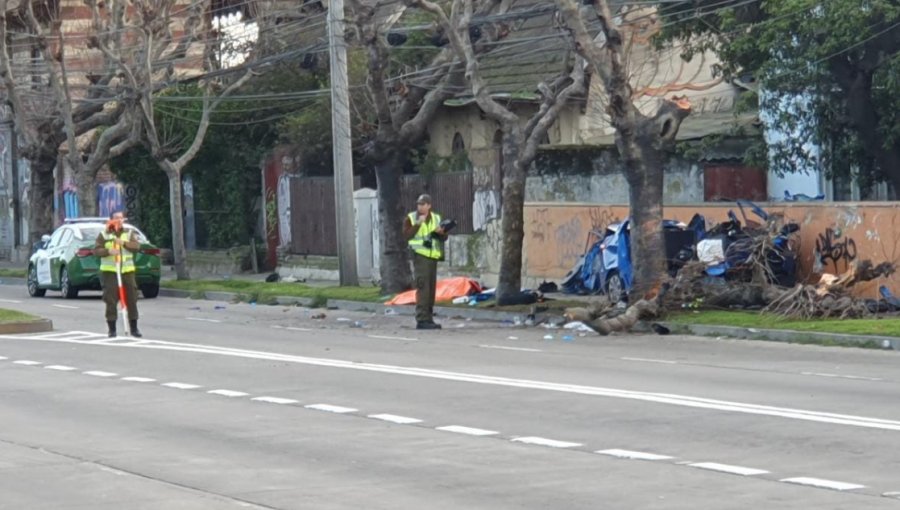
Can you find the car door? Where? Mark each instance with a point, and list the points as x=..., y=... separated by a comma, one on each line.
x=56, y=252
x=44, y=272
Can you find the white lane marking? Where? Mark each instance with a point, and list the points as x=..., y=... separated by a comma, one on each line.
x=61, y=368
x=629, y=454
x=28, y=362
x=3, y=358
x=331, y=409
x=138, y=379
x=228, y=393
x=66, y=335
x=725, y=468
x=180, y=386
x=659, y=398
x=823, y=484
x=386, y=337
x=459, y=429
x=275, y=400
x=393, y=418
x=505, y=348
x=649, y=360
x=895, y=494
x=543, y=441
x=201, y=319
x=100, y=373
x=67, y=307
x=291, y=328
x=840, y=376
x=9, y=301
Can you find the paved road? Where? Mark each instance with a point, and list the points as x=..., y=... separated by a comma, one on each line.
x=238, y=406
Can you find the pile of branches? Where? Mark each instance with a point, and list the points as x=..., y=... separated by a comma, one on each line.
x=831, y=296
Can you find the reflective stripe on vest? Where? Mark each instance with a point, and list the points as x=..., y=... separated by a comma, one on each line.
x=108, y=263
x=417, y=243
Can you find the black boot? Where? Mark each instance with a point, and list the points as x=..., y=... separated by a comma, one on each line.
x=112, y=328
x=134, y=330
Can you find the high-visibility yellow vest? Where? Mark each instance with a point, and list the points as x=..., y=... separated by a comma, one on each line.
x=417, y=243
x=108, y=263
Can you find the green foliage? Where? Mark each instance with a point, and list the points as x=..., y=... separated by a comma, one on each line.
x=803, y=53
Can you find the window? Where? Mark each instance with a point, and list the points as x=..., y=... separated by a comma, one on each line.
x=459, y=145
x=56, y=238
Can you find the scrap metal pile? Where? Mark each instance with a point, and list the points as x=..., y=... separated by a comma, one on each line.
x=746, y=265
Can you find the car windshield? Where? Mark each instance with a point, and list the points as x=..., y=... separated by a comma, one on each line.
x=90, y=232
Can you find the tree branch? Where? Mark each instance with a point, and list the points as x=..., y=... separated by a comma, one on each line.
x=549, y=115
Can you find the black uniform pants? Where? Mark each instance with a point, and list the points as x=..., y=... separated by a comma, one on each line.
x=425, y=270
x=110, y=285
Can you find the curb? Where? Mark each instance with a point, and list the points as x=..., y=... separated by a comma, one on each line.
x=789, y=336
x=17, y=328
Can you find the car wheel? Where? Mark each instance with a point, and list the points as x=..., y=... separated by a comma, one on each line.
x=615, y=287
x=65, y=285
x=32, y=282
x=150, y=291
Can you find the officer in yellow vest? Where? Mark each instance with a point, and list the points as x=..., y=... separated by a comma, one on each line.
x=422, y=229
x=113, y=241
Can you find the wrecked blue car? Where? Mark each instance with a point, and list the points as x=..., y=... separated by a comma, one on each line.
x=606, y=266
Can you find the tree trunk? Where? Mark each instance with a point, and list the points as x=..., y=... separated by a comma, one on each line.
x=87, y=194
x=512, y=222
x=40, y=198
x=176, y=212
x=395, y=272
x=644, y=173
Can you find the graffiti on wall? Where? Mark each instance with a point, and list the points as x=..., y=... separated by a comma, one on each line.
x=832, y=246
x=70, y=198
x=284, y=210
x=110, y=198
x=486, y=207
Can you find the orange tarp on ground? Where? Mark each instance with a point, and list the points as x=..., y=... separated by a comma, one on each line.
x=447, y=290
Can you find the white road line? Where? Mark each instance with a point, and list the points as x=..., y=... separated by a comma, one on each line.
x=9, y=301
x=823, y=484
x=66, y=335
x=651, y=397
x=61, y=368
x=393, y=418
x=100, y=373
x=505, y=348
x=649, y=360
x=725, y=468
x=331, y=409
x=275, y=400
x=895, y=494
x=3, y=358
x=201, y=319
x=291, y=328
x=543, y=441
x=138, y=379
x=459, y=429
x=386, y=337
x=28, y=362
x=180, y=386
x=67, y=307
x=629, y=454
x=228, y=393
x=840, y=376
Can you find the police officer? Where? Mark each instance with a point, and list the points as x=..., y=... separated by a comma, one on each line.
x=422, y=229
x=113, y=241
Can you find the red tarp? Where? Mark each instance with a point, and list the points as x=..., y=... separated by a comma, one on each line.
x=447, y=290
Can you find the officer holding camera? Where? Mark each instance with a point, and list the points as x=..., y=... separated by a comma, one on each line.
x=426, y=234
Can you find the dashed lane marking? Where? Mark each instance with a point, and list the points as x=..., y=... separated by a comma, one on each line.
x=393, y=418
x=331, y=409
x=275, y=400
x=100, y=373
x=823, y=484
x=841, y=376
x=201, y=319
x=9, y=301
x=28, y=362
x=139, y=379
x=61, y=368
x=180, y=386
x=387, y=337
x=543, y=441
x=506, y=348
x=649, y=360
x=67, y=307
x=726, y=468
x=629, y=454
x=228, y=393
x=469, y=431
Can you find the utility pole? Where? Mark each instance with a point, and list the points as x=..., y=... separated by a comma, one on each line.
x=341, y=144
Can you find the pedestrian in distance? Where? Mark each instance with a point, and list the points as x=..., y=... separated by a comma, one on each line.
x=425, y=235
x=113, y=242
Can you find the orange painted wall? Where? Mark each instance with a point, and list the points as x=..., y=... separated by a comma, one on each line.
x=556, y=234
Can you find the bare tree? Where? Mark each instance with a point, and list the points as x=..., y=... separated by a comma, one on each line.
x=642, y=140
x=148, y=63
x=58, y=116
x=520, y=140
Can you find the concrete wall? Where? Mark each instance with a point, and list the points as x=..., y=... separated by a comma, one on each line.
x=832, y=235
